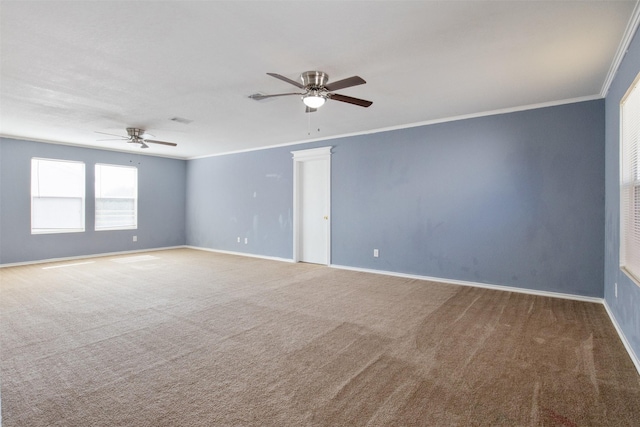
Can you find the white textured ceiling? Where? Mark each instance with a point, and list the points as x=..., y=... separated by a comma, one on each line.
x=69, y=69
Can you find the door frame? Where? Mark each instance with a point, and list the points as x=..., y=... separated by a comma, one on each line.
x=299, y=157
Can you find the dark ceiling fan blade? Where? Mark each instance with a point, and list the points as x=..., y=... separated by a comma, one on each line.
x=151, y=141
x=310, y=110
x=348, y=82
x=111, y=134
x=349, y=100
x=260, y=96
x=285, y=79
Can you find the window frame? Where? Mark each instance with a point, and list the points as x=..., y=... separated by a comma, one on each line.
x=630, y=185
x=83, y=198
x=97, y=193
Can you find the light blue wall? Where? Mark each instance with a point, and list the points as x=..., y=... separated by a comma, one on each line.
x=514, y=199
x=626, y=307
x=248, y=195
x=161, y=204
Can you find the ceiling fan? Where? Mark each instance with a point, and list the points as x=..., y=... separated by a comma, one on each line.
x=317, y=90
x=136, y=136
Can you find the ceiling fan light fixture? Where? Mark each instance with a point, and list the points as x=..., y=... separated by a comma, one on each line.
x=314, y=99
x=317, y=90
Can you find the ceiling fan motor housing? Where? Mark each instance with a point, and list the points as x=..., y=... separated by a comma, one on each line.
x=314, y=79
x=138, y=136
x=135, y=133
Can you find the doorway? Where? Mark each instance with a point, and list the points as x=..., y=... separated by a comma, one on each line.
x=312, y=205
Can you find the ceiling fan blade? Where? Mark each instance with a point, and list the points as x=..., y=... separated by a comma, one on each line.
x=285, y=79
x=349, y=100
x=310, y=110
x=348, y=82
x=143, y=145
x=151, y=141
x=111, y=134
x=260, y=96
x=110, y=139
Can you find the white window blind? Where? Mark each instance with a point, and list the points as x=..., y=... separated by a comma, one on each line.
x=57, y=196
x=116, y=197
x=630, y=182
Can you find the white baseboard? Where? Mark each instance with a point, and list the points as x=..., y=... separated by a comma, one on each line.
x=634, y=357
x=74, y=258
x=627, y=346
x=271, y=258
x=476, y=284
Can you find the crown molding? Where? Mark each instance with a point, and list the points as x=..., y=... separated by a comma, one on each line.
x=623, y=48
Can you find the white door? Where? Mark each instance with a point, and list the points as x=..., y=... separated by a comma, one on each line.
x=312, y=201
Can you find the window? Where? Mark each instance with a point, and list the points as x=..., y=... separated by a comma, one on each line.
x=57, y=196
x=116, y=197
x=630, y=182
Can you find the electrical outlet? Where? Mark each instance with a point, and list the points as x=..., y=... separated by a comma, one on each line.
x=238, y=239
x=135, y=238
x=376, y=253
x=246, y=240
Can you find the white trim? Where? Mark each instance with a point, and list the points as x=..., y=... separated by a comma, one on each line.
x=270, y=258
x=91, y=147
x=412, y=125
x=107, y=254
x=475, y=284
x=468, y=116
x=344, y=135
x=312, y=153
x=301, y=156
x=634, y=357
x=72, y=258
x=627, y=220
x=623, y=48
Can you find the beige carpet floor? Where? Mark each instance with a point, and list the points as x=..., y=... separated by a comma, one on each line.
x=192, y=338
